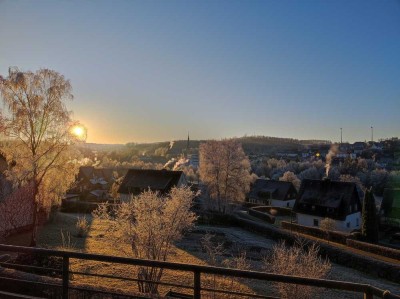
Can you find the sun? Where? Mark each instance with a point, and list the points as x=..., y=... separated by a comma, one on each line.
x=78, y=131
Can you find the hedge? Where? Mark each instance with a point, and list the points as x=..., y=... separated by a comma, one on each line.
x=373, y=248
x=337, y=255
x=334, y=236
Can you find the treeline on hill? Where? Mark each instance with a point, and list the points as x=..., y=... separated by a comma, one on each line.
x=168, y=149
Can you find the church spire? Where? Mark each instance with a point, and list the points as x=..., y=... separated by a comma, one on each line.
x=187, y=145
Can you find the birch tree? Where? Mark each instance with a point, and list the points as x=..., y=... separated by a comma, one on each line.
x=225, y=169
x=38, y=128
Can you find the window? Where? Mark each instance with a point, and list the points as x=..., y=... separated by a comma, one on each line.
x=313, y=208
x=357, y=222
x=288, y=205
x=315, y=222
x=355, y=207
x=348, y=224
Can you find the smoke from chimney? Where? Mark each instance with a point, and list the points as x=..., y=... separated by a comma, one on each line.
x=331, y=154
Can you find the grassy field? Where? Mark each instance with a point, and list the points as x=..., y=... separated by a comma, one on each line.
x=187, y=251
x=97, y=242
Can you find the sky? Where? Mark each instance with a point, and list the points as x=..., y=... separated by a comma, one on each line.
x=145, y=71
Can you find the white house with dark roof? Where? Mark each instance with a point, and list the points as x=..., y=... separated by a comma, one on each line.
x=319, y=199
x=274, y=193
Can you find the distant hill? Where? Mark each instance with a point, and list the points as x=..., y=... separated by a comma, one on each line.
x=251, y=145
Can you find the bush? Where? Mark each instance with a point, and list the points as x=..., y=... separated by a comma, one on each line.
x=82, y=227
x=298, y=261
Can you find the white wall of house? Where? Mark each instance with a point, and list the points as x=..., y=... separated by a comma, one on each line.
x=352, y=221
x=283, y=203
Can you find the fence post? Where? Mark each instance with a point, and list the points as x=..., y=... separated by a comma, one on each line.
x=197, y=285
x=368, y=294
x=65, y=277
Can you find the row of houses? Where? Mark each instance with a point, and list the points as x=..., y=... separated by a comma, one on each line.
x=315, y=200
x=320, y=199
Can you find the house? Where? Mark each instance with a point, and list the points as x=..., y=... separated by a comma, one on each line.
x=16, y=208
x=319, y=199
x=138, y=180
x=390, y=207
x=90, y=178
x=359, y=147
x=274, y=193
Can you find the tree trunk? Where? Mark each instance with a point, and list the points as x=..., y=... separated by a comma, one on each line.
x=35, y=221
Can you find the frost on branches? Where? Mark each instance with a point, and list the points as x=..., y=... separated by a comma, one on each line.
x=225, y=169
x=297, y=260
x=151, y=224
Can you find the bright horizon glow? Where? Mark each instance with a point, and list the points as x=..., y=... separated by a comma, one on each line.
x=78, y=131
x=148, y=71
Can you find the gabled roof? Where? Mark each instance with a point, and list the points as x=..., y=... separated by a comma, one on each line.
x=156, y=180
x=391, y=203
x=277, y=189
x=89, y=172
x=317, y=196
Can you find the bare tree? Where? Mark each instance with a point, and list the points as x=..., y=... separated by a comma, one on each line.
x=224, y=168
x=151, y=223
x=296, y=261
x=39, y=131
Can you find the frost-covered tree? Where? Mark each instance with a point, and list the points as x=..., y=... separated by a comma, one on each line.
x=310, y=173
x=225, y=169
x=150, y=223
x=378, y=179
x=39, y=131
x=296, y=261
x=334, y=173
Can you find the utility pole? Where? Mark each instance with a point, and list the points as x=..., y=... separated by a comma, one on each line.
x=372, y=133
x=341, y=135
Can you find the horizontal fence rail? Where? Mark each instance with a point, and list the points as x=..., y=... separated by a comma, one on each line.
x=197, y=270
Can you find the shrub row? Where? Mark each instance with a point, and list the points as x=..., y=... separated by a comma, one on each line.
x=373, y=248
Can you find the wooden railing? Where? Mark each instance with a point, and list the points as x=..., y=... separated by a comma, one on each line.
x=198, y=271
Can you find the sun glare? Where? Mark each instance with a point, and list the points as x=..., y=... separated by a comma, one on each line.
x=78, y=131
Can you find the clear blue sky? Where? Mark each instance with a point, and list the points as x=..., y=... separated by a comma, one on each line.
x=153, y=70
